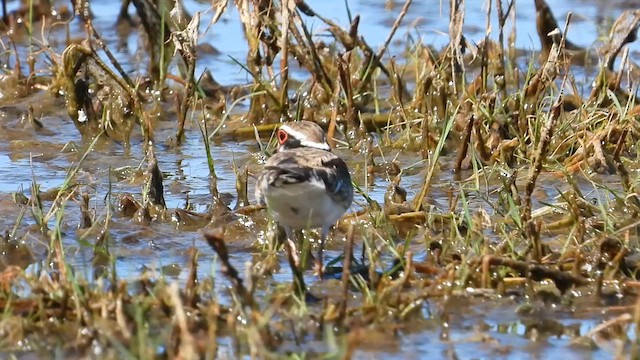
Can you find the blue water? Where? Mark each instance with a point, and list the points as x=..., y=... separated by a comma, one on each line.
x=139, y=247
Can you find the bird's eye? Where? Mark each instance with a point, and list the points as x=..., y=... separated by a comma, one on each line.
x=282, y=136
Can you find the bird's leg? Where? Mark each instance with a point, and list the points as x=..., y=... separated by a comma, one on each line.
x=305, y=249
x=294, y=263
x=319, y=260
x=277, y=238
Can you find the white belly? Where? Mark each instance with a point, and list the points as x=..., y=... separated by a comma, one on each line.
x=304, y=205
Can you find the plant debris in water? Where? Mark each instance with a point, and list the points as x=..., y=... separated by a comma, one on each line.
x=511, y=193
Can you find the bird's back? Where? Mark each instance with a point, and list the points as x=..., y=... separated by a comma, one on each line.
x=305, y=187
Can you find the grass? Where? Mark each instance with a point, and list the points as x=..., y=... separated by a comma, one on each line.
x=486, y=159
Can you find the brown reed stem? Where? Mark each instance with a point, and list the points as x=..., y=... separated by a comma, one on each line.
x=344, y=69
x=394, y=28
x=215, y=239
x=284, y=55
x=191, y=290
x=635, y=346
x=536, y=168
x=346, y=273
x=536, y=272
x=464, y=147
x=331, y=129
x=156, y=188
x=502, y=19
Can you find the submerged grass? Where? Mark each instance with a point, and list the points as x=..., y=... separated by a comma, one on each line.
x=500, y=213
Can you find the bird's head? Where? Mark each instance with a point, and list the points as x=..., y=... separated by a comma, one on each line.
x=297, y=134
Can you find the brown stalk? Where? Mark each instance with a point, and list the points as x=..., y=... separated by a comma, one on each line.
x=555, y=56
x=331, y=129
x=578, y=260
x=512, y=42
x=598, y=161
x=623, y=318
x=242, y=181
x=346, y=273
x=155, y=27
x=396, y=83
x=59, y=258
x=623, y=31
x=299, y=285
x=617, y=260
x=299, y=52
x=186, y=344
x=361, y=43
x=536, y=272
x=101, y=256
x=349, y=38
x=623, y=64
x=284, y=54
x=212, y=315
x=456, y=22
x=536, y=168
x=545, y=26
x=484, y=63
x=121, y=319
x=486, y=272
x=86, y=220
x=408, y=269
x=185, y=42
x=564, y=42
x=76, y=57
x=425, y=103
x=345, y=80
x=502, y=18
x=464, y=147
x=156, y=188
x=394, y=28
x=318, y=69
x=620, y=146
x=544, y=77
x=635, y=346
x=187, y=100
x=252, y=34
x=366, y=76
x=369, y=120
x=253, y=26
x=481, y=145
x=123, y=14
x=428, y=177
x=112, y=59
x=215, y=239
x=191, y=290
x=625, y=177
x=423, y=84
x=182, y=119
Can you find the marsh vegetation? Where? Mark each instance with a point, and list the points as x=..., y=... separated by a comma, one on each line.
x=496, y=188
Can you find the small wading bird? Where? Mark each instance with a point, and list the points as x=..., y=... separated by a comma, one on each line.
x=304, y=185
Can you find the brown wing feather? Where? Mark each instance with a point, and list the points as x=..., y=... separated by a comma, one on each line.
x=304, y=164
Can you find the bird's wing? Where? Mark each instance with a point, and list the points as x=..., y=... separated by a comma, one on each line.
x=316, y=166
x=337, y=180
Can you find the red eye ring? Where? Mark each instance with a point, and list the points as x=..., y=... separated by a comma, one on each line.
x=282, y=136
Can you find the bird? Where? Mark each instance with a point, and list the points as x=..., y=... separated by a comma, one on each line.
x=304, y=185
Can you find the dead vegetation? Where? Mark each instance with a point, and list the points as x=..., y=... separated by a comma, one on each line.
x=498, y=125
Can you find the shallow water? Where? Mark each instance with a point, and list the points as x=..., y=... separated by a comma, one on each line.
x=28, y=153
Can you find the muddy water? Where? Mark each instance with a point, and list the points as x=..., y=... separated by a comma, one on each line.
x=29, y=153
